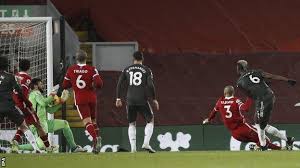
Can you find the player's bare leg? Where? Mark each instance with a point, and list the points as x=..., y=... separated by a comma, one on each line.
x=148, y=134
x=89, y=126
x=132, y=136
x=275, y=132
x=29, y=136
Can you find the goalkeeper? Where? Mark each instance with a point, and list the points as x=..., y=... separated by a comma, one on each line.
x=43, y=105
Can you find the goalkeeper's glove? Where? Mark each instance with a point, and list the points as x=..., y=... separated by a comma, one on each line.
x=292, y=82
x=64, y=96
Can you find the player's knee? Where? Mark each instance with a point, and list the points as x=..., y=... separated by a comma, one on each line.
x=23, y=127
x=87, y=120
x=132, y=123
x=37, y=125
x=263, y=125
x=150, y=119
x=66, y=123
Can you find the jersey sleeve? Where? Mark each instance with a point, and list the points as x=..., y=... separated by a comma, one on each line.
x=25, y=89
x=20, y=92
x=121, y=80
x=244, y=107
x=150, y=84
x=97, y=80
x=53, y=109
x=260, y=72
x=43, y=101
x=15, y=85
x=67, y=80
x=213, y=113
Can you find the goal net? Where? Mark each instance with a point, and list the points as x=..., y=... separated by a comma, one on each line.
x=26, y=38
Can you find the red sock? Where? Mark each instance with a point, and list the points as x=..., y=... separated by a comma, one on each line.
x=273, y=147
x=91, y=129
x=96, y=129
x=18, y=136
x=45, y=140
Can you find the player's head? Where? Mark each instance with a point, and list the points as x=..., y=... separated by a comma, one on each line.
x=3, y=63
x=81, y=56
x=242, y=66
x=24, y=65
x=37, y=84
x=138, y=57
x=228, y=91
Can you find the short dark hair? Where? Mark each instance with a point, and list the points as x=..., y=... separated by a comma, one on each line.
x=81, y=56
x=242, y=65
x=138, y=55
x=3, y=63
x=24, y=65
x=35, y=81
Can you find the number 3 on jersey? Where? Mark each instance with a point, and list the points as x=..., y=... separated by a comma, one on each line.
x=228, y=112
x=135, y=78
x=80, y=83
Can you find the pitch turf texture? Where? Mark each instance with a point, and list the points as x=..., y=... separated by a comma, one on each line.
x=203, y=159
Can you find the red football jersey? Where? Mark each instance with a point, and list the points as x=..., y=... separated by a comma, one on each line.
x=83, y=79
x=24, y=80
x=230, y=109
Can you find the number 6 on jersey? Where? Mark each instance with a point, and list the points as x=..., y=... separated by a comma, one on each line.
x=80, y=83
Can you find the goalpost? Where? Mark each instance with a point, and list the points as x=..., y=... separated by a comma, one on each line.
x=29, y=38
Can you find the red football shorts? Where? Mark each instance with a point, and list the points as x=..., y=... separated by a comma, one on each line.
x=87, y=110
x=30, y=118
x=246, y=133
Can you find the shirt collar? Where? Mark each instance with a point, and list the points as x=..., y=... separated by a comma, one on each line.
x=23, y=73
x=229, y=97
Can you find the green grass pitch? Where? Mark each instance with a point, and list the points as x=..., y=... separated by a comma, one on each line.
x=203, y=159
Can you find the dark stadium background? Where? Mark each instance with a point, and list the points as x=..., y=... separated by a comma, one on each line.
x=192, y=47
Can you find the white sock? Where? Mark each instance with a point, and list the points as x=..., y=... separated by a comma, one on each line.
x=132, y=137
x=148, y=133
x=275, y=132
x=261, y=135
x=30, y=137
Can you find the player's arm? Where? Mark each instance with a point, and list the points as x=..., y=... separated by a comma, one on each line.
x=121, y=80
x=212, y=114
x=67, y=80
x=43, y=101
x=244, y=107
x=54, y=108
x=278, y=77
x=97, y=80
x=150, y=85
x=20, y=92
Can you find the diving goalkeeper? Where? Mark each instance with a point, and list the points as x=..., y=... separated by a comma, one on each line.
x=43, y=105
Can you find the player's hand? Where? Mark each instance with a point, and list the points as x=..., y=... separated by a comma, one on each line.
x=52, y=94
x=156, y=104
x=206, y=121
x=64, y=96
x=119, y=103
x=292, y=82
